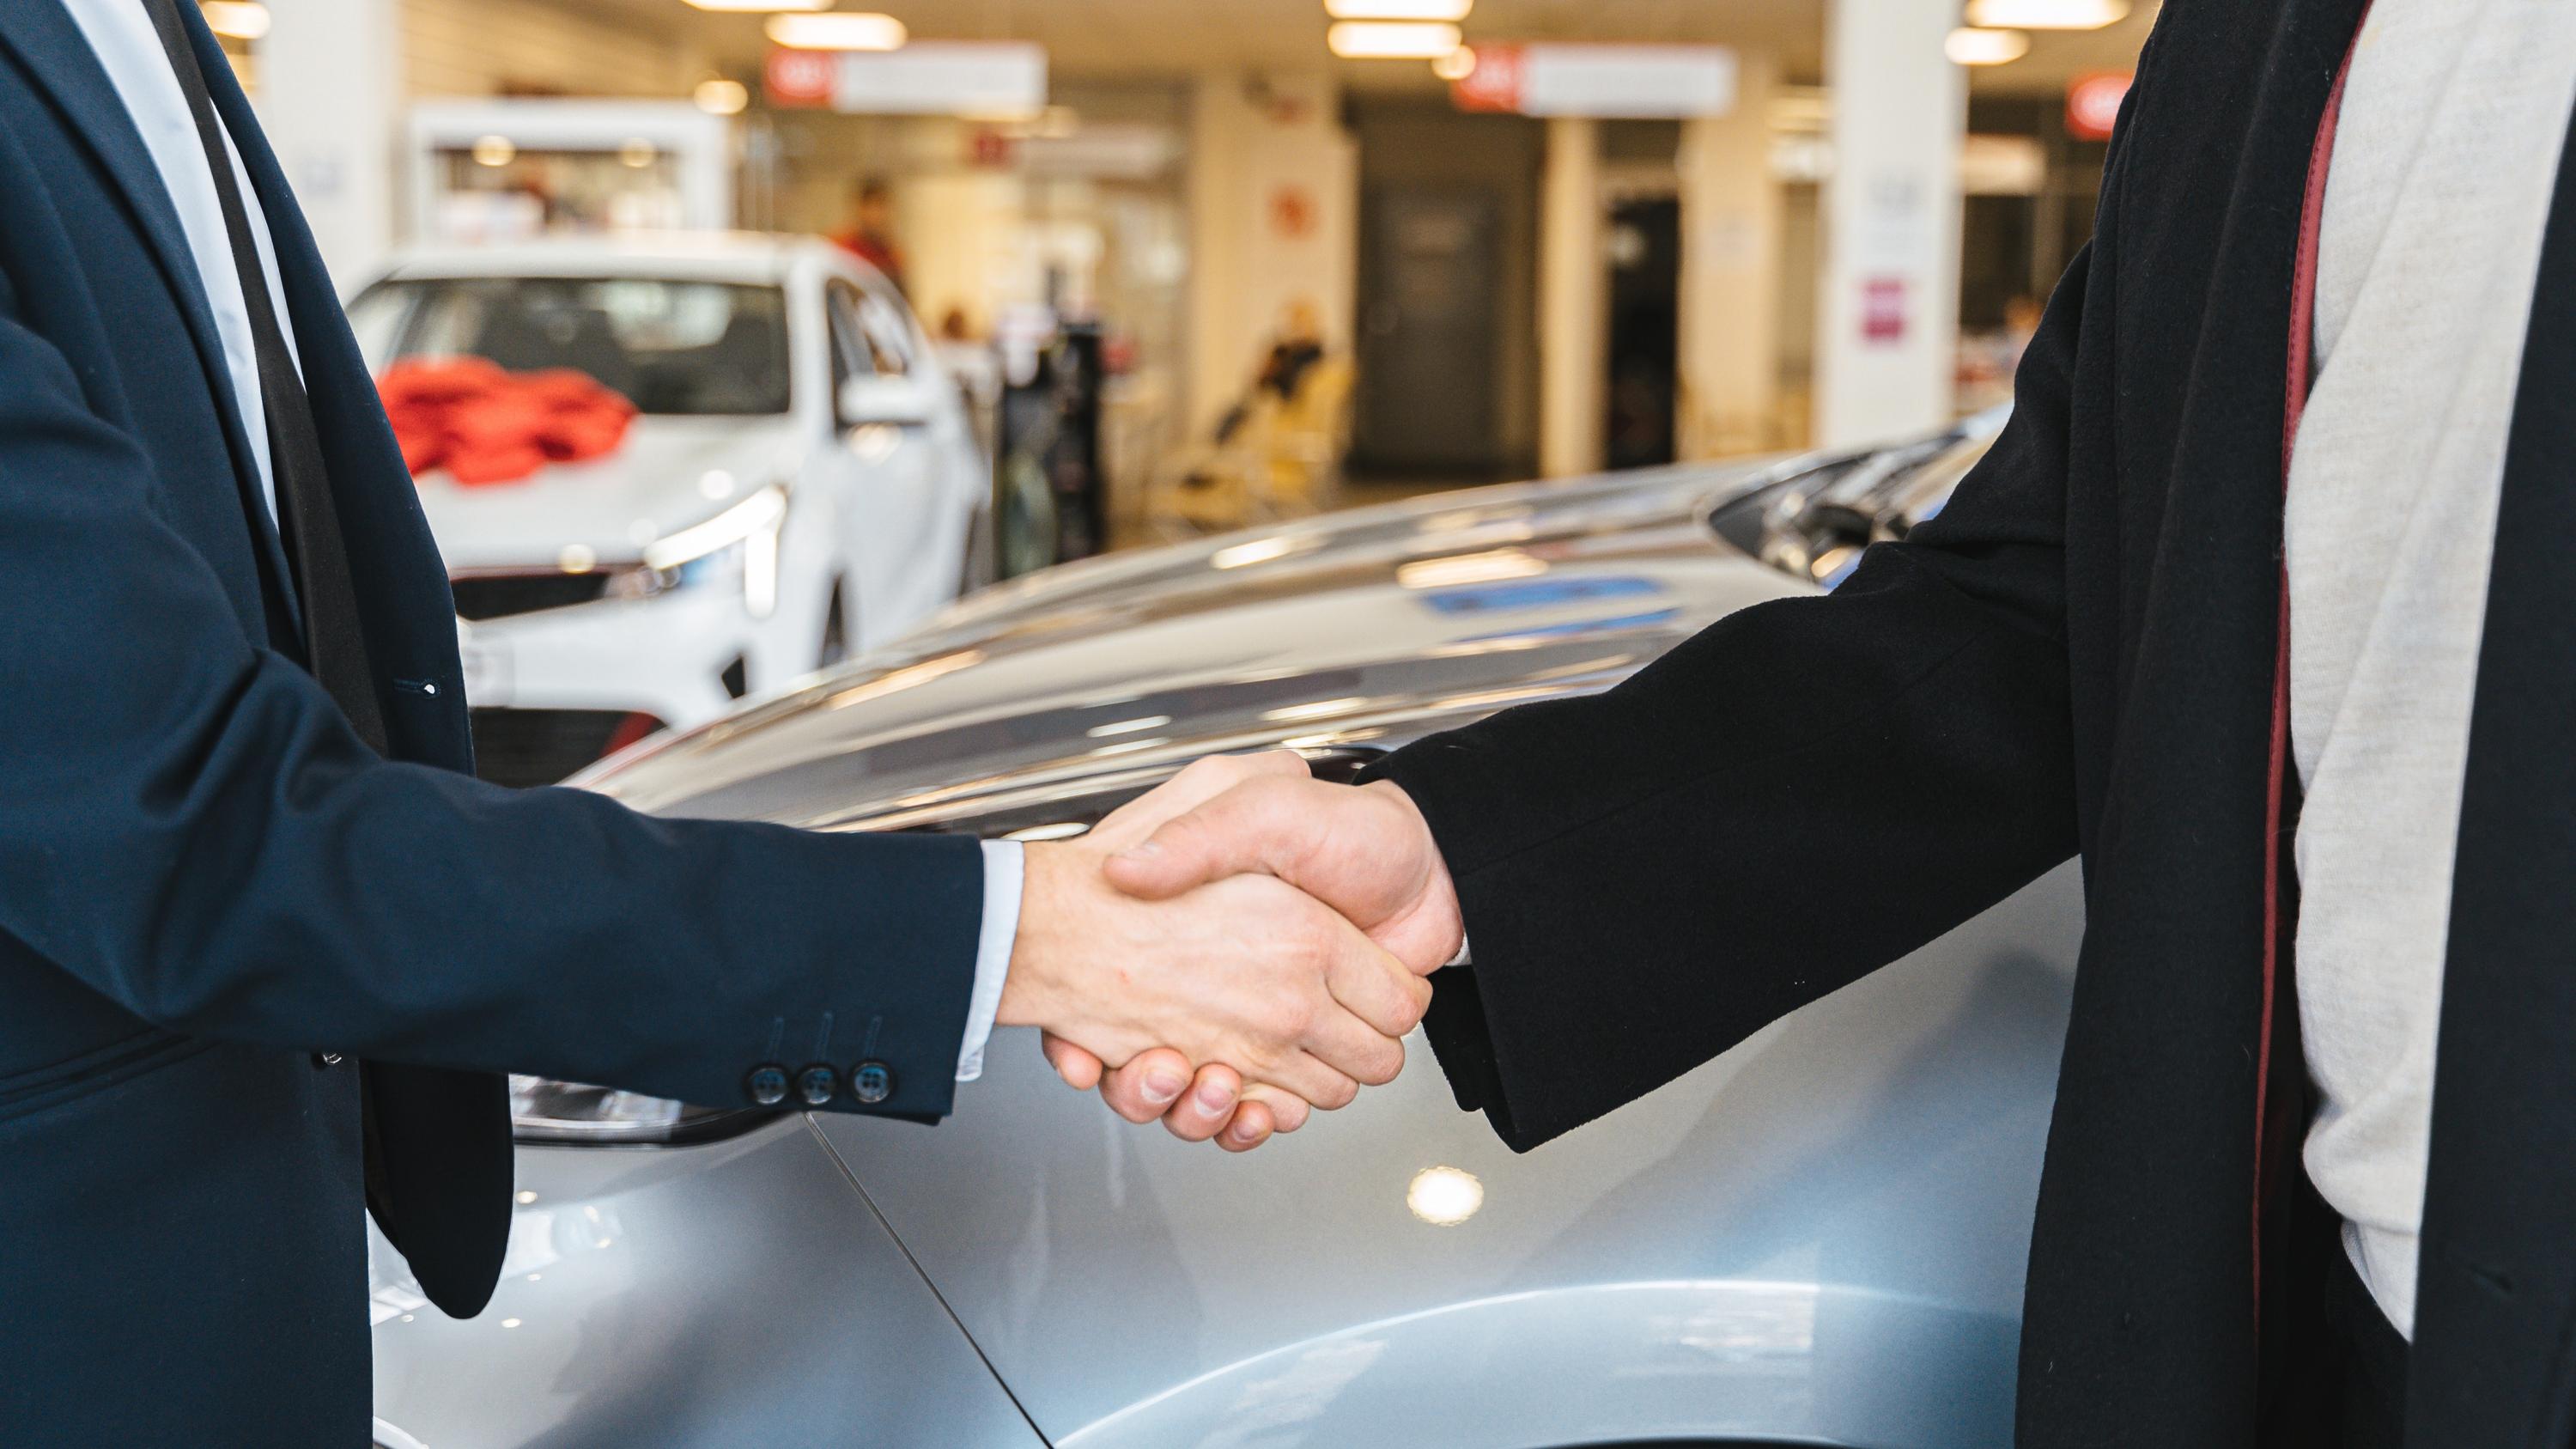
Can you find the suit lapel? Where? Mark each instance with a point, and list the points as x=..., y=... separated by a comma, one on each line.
x=58, y=56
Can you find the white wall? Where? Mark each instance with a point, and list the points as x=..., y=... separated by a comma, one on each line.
x=1253, y=139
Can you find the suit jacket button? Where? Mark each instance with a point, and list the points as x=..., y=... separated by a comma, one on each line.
x=871, y=1082
x=767, y=1084
x=818, y=1085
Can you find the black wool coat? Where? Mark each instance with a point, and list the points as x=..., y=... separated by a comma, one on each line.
x=2078, y=656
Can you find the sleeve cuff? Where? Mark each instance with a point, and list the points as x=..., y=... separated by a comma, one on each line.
x=1002, y=866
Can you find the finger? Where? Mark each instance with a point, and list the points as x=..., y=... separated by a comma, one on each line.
x=1254, y=827
x=1080, y=1069
x=1351, y=1047
x=1208, y=1106
x=1378, y=989
x=1252, y=1126
x=1287, y=1113
x=1310, y=1077
x=1147, y=1086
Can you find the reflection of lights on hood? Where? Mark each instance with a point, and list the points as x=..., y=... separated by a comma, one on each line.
x=1262, y=550
x=1444, y=1196
x=1470, y=568
x=1128, y=726
x=1315, y=709
x=1060, y=830
x=895, y=681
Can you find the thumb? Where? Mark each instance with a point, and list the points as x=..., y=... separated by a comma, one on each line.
x=1249, y=828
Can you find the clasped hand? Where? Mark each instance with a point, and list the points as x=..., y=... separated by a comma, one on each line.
x=1235, y=948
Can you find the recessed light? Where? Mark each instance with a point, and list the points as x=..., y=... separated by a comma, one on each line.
x=240, y=19
x=1969, y=45
x=1450, y=10
x=1385, y=40
x=838, y=30
x=1457, y=65
x=2046, y=14
x=722, y=97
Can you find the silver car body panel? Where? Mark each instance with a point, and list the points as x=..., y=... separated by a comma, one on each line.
x=1817, y=1237
x=739, y=1293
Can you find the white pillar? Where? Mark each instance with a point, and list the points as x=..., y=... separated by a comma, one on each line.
x=1888, y=316
x=1573, y=302
x=1730, y=313
x=330, y=96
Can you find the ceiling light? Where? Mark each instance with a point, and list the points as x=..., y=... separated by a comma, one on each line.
x=240, y=19
x=495, y=151
x=1457, y=65
x=722, y=97
x=1969, y=45
x=2046, y=14
x=1373, y=40
x=740, y=6
x=1444, y=1196
x=838, y=30
x=1452, y=10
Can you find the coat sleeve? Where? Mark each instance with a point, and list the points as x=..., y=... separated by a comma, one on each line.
x=189, y=827
x=1804, y=792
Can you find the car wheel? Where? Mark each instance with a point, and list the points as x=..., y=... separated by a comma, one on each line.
x=836, y=632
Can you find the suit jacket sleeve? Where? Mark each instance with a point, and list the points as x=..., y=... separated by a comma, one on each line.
x=188, y=826
x=1804, y=792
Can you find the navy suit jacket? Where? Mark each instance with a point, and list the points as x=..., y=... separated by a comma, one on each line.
x=207, y=881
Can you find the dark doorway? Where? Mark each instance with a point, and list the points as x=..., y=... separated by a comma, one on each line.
x=1645, y=245
x=1430, y=268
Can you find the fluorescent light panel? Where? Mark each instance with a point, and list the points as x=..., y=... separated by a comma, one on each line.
x=2046, y=14
x=736, y=7
x=1375, y=40
x=838, y=30
x=1432, y=10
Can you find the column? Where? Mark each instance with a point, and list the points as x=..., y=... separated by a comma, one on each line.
x=330, y=96
x=1730, y=274
x=1573, y=302
x=1888, y=315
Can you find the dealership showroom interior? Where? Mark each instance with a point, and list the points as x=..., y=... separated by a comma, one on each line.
x=1287, y=724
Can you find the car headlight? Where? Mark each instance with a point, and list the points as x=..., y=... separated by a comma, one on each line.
x=737, y=547
x=568, y=1112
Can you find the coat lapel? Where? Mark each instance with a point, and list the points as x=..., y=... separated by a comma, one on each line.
x=2497, y=1282
x=58, y=55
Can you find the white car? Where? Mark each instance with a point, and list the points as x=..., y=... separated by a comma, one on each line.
x=801, y=481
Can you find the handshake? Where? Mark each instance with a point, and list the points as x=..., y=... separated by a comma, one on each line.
x=1239, y=946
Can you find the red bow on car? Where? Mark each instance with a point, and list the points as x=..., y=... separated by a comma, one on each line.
x=486, y=425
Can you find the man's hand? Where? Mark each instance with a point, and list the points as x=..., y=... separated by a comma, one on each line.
x=1245, y=971
x=1365, y=852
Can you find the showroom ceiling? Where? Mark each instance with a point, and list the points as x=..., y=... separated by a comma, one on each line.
x=1131, y=37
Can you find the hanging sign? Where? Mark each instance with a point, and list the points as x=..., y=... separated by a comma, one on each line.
x=925, y=78
x=2093, y=103
x=1613, y=82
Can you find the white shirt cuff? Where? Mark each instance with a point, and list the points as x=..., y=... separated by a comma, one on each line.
x=1002, y=866
x=1462, y=958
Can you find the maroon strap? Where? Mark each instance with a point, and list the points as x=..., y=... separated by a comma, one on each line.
x=2303, y=318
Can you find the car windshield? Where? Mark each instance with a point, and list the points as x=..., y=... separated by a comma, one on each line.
x=670, y=347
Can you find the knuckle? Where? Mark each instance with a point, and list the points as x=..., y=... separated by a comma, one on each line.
x=1341, y=1093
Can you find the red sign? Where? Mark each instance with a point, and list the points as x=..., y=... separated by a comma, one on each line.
x=1882, y=310
x=799, y=77
x=2093, y=103
x=1292, y=212
x=1495, y=83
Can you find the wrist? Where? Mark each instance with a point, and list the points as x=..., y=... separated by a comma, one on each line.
x=1030, y=990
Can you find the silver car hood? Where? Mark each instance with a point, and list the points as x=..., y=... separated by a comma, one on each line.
x=1368, y=626
x=1818, y=1236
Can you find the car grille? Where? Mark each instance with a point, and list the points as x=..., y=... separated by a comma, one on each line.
x=481, y=596
x=521, y=747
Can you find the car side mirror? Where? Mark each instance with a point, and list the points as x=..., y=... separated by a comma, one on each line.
x=885, y=401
